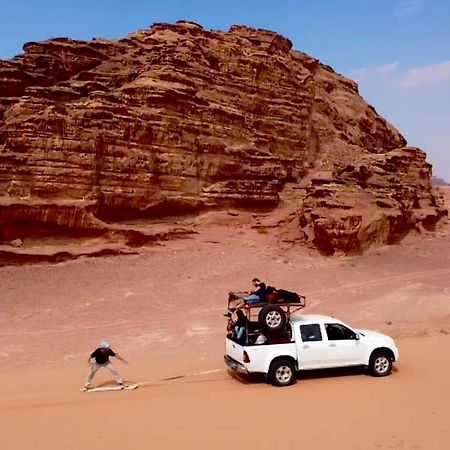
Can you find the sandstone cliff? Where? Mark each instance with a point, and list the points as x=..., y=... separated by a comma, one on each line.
x=177, y=119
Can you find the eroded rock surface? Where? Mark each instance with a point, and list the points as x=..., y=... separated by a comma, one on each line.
x=177, y=119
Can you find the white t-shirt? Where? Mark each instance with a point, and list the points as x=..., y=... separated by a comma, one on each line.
x=261, y=339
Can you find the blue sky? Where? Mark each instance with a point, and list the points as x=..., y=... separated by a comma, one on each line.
x=397, y=50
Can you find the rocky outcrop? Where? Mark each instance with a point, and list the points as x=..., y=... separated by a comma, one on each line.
x=375, y=201
x=177, y=119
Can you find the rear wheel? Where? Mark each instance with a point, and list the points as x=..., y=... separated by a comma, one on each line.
x=272, y=318
x=380, y=364
x=282, y=372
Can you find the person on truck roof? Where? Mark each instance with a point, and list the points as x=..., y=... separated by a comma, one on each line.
x=257, y=295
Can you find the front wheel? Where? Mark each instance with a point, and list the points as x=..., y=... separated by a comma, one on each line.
x=282, y=372
x=380, y=364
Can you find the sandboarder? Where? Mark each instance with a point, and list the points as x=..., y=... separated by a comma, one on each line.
x=100, y=359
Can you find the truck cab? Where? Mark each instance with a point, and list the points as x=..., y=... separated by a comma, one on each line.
x=313, y=342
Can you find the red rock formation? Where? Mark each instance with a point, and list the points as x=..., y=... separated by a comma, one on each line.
x=177, y=118
x=374, y=201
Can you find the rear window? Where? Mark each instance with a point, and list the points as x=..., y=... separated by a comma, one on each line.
x=310, y=332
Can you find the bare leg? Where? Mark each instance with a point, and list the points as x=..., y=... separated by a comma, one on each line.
x=239, y=303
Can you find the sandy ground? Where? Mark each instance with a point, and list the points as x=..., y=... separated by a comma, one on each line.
x=162, y=310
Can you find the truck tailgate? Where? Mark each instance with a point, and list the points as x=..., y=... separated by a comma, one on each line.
x=234, y=350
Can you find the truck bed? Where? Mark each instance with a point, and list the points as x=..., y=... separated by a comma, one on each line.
x=260, y=356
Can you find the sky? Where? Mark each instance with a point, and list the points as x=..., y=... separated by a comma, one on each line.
x=397, y=50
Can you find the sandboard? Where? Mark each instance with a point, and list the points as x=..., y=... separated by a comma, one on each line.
x=125, y=387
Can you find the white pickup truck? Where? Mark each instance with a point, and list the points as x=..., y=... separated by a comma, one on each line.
x=314, y=342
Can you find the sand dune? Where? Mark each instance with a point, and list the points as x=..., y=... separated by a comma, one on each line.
x=342, y=409
x=162, y=309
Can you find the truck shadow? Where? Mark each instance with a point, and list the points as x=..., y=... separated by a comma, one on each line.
x=336, y=372
x=331, y=373
x=308, y=374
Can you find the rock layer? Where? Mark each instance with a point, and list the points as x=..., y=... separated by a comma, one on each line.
x=176, y=119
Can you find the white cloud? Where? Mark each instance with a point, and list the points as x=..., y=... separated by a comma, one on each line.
x=386, y=68
x=417, y=101
x=405, y=8
x=426, y=76
x=365, y=73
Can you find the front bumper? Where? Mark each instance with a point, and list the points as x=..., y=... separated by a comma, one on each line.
x=235, y=365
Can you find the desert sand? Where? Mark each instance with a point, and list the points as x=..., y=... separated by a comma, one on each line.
x=162, y=310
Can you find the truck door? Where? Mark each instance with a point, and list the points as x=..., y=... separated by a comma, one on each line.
x=344, y=349
x=310, y=346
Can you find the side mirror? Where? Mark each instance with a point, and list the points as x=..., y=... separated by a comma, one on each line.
x=357, y=336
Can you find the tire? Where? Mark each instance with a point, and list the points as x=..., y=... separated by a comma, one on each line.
x=282, y=372
x=380, y=364
x=272, y=318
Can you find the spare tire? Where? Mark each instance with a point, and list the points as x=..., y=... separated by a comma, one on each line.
x=272, y=318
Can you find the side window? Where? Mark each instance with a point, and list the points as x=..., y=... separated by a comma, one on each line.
x=310, y=333
x=338, y=332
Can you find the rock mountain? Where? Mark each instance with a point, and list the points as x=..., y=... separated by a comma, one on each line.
x=178, y=119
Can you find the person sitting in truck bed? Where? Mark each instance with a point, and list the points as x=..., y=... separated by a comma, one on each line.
x=240, y=327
